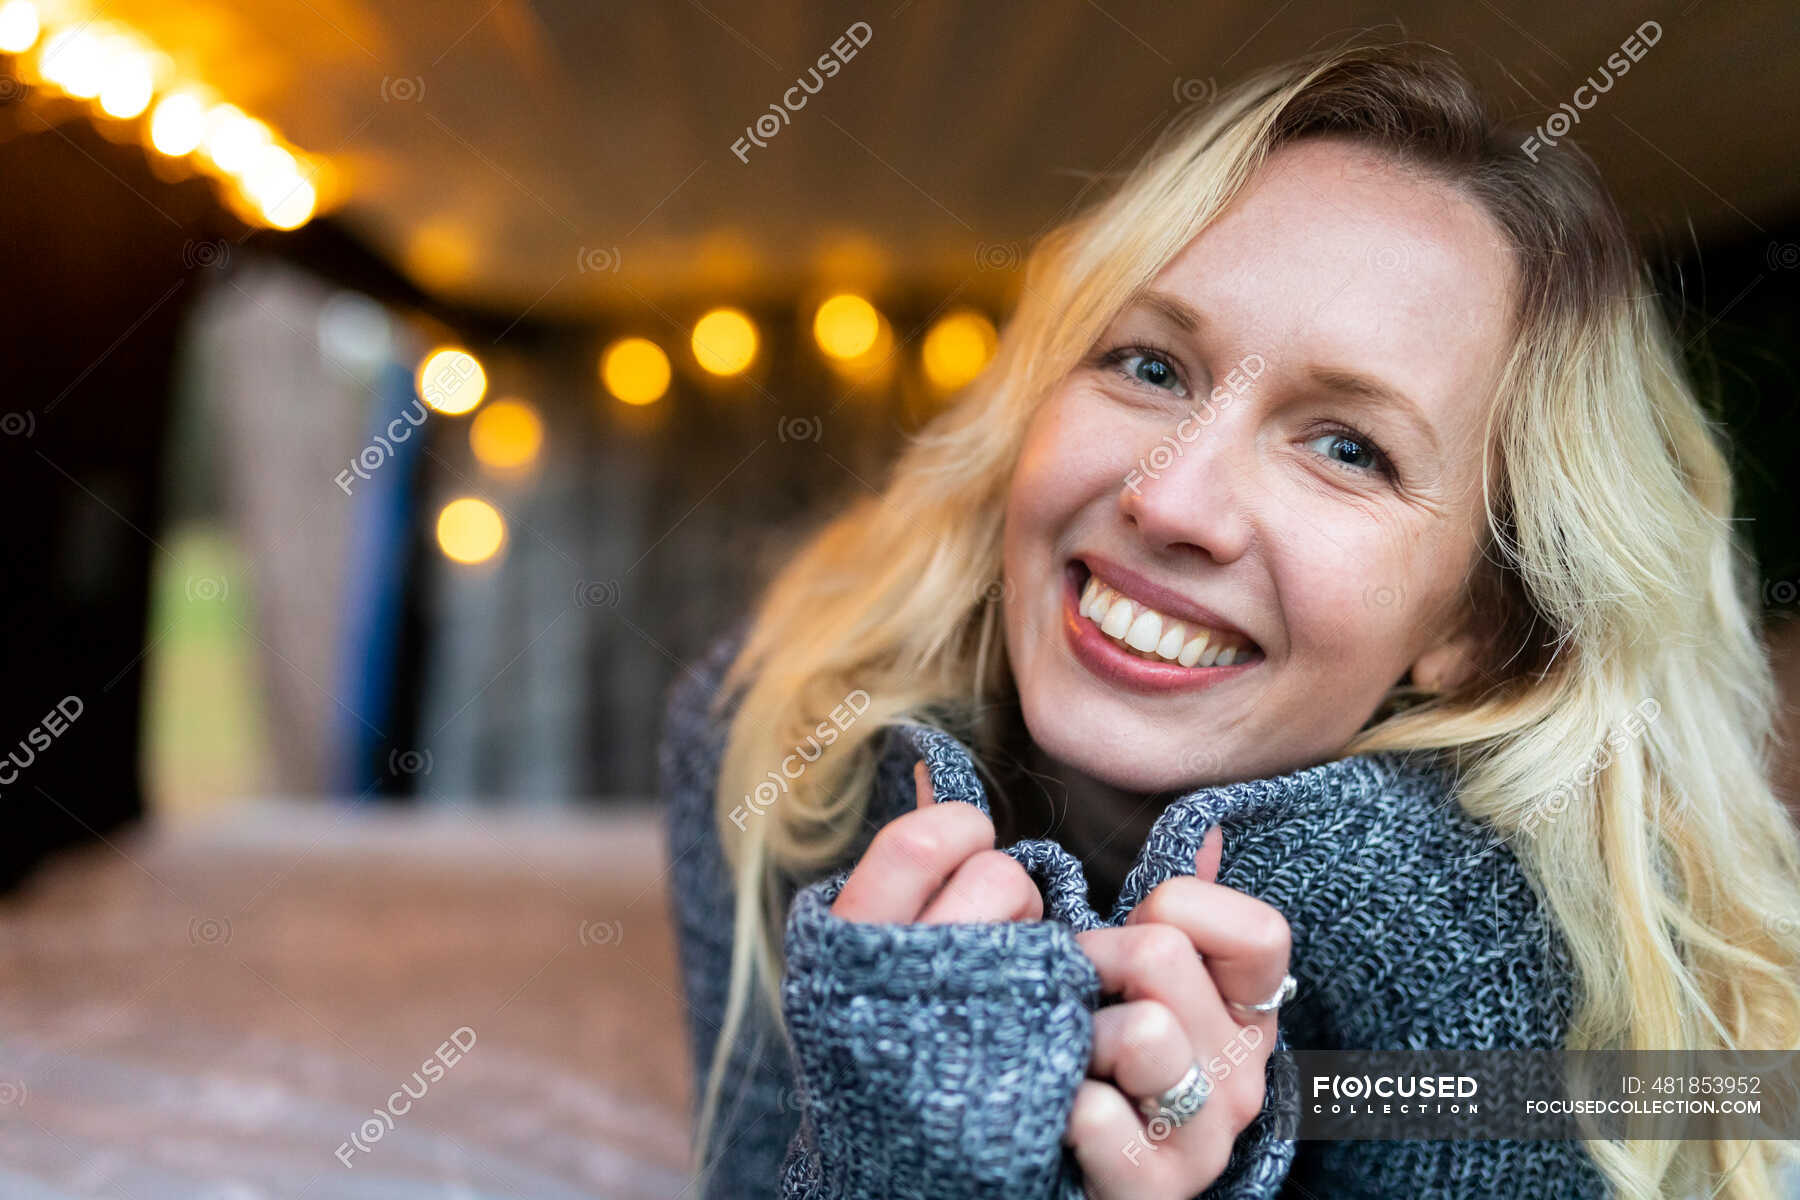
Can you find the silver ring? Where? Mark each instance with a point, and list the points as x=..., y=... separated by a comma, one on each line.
x=1282, y=995
x=1179, y=1104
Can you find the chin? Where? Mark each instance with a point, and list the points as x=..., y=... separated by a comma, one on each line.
x=1135, y=758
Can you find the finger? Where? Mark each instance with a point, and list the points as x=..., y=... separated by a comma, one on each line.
x=1157, y=962
x=1107, y=1136
x=989, y=886
x=909, y=859
x=1206, y=859
x=1154, y=961
x=1140, y=1047
x=922, y=784
x=1244, y=941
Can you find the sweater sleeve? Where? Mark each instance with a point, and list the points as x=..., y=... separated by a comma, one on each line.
x=935, y=1060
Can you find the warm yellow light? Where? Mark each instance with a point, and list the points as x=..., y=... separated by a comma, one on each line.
x=129, y=80
x=957, y=347
x=269, y=171
x=232, y=139
x=292, y=207
x=846, y=326
x=724, y=341
x=470, y=530
x=874, y=366
x=635, y=370
x=178, y=124
x=506, y=435
x=451, y=381
x=19, y=27
x=75, y=61
x=272, y=179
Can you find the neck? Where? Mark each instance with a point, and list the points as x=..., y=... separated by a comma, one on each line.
x=1102, y=825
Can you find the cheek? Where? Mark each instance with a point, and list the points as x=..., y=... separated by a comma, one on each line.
x=1347, y=596
x=1365, y=596
x=1066, y=464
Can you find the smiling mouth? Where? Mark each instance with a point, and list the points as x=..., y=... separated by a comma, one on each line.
x=1139, y=629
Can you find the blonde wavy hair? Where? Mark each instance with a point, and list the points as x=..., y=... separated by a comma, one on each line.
x=1610, y=577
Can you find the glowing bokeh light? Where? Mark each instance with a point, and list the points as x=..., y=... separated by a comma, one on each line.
x=232, y=139
x=19, y=26
x=178, y=124
x=451, y=381
x=269, y=171
x=506, y=435
x=75, y=61
x=470, y=530
x=635, y=370
x=846, y=326
x=724, y=341
x=130, y=79
x=957, y=348
x=292, y=207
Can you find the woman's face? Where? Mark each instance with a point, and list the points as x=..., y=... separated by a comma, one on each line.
x=1277, y=450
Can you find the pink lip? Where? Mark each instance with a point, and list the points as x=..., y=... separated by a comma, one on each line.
x=1160, y=598
x=1106, y=659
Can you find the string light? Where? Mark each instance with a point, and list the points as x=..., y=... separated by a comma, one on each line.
x=506, y=435
x=635, y=370
x=724, y=341
x=469, y=530
x=112, y=66
x=874, y=367
x=74, y=61
x=129, y=78
x=178, y=124
x=293, y=207
x=957, y=348
x=272, y=180
x=19, y=27
x=846, y=326
x=232, y=138
x=451, y=381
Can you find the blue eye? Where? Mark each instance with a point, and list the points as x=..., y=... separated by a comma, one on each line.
x=1146, y=365
x=1353, y=450
x=1154, y=371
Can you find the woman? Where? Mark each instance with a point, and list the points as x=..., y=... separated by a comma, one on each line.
x=1337, y=477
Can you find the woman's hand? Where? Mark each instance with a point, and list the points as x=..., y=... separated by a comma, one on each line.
x=1171, y=1016
x=937, y=865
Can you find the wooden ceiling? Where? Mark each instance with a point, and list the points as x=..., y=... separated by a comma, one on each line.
x=565, y=157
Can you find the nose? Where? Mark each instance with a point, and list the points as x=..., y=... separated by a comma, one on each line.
x=1186, y=493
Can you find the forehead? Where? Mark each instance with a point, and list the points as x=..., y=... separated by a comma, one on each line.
x=1337, y=255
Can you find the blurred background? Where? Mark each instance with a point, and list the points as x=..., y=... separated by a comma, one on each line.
x=398, y=396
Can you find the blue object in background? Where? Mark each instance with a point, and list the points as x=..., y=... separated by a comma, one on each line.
x=381, y=486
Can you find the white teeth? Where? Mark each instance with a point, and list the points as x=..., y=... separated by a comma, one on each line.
x=1190, y=653
x=1149, y=632
x=1118, y=618
x=1145, y=632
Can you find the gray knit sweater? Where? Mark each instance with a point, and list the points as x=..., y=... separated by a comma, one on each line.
x=942, y=1060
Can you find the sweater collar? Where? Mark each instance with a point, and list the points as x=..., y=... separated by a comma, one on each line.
x=1177, y=831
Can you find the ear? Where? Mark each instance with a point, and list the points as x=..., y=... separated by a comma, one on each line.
x=1447, y=665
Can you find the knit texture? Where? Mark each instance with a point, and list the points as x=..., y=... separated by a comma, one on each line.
x=942, y=1060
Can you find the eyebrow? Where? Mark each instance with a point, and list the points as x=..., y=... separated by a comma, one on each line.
x=1172, y=307
x=1355, y=386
